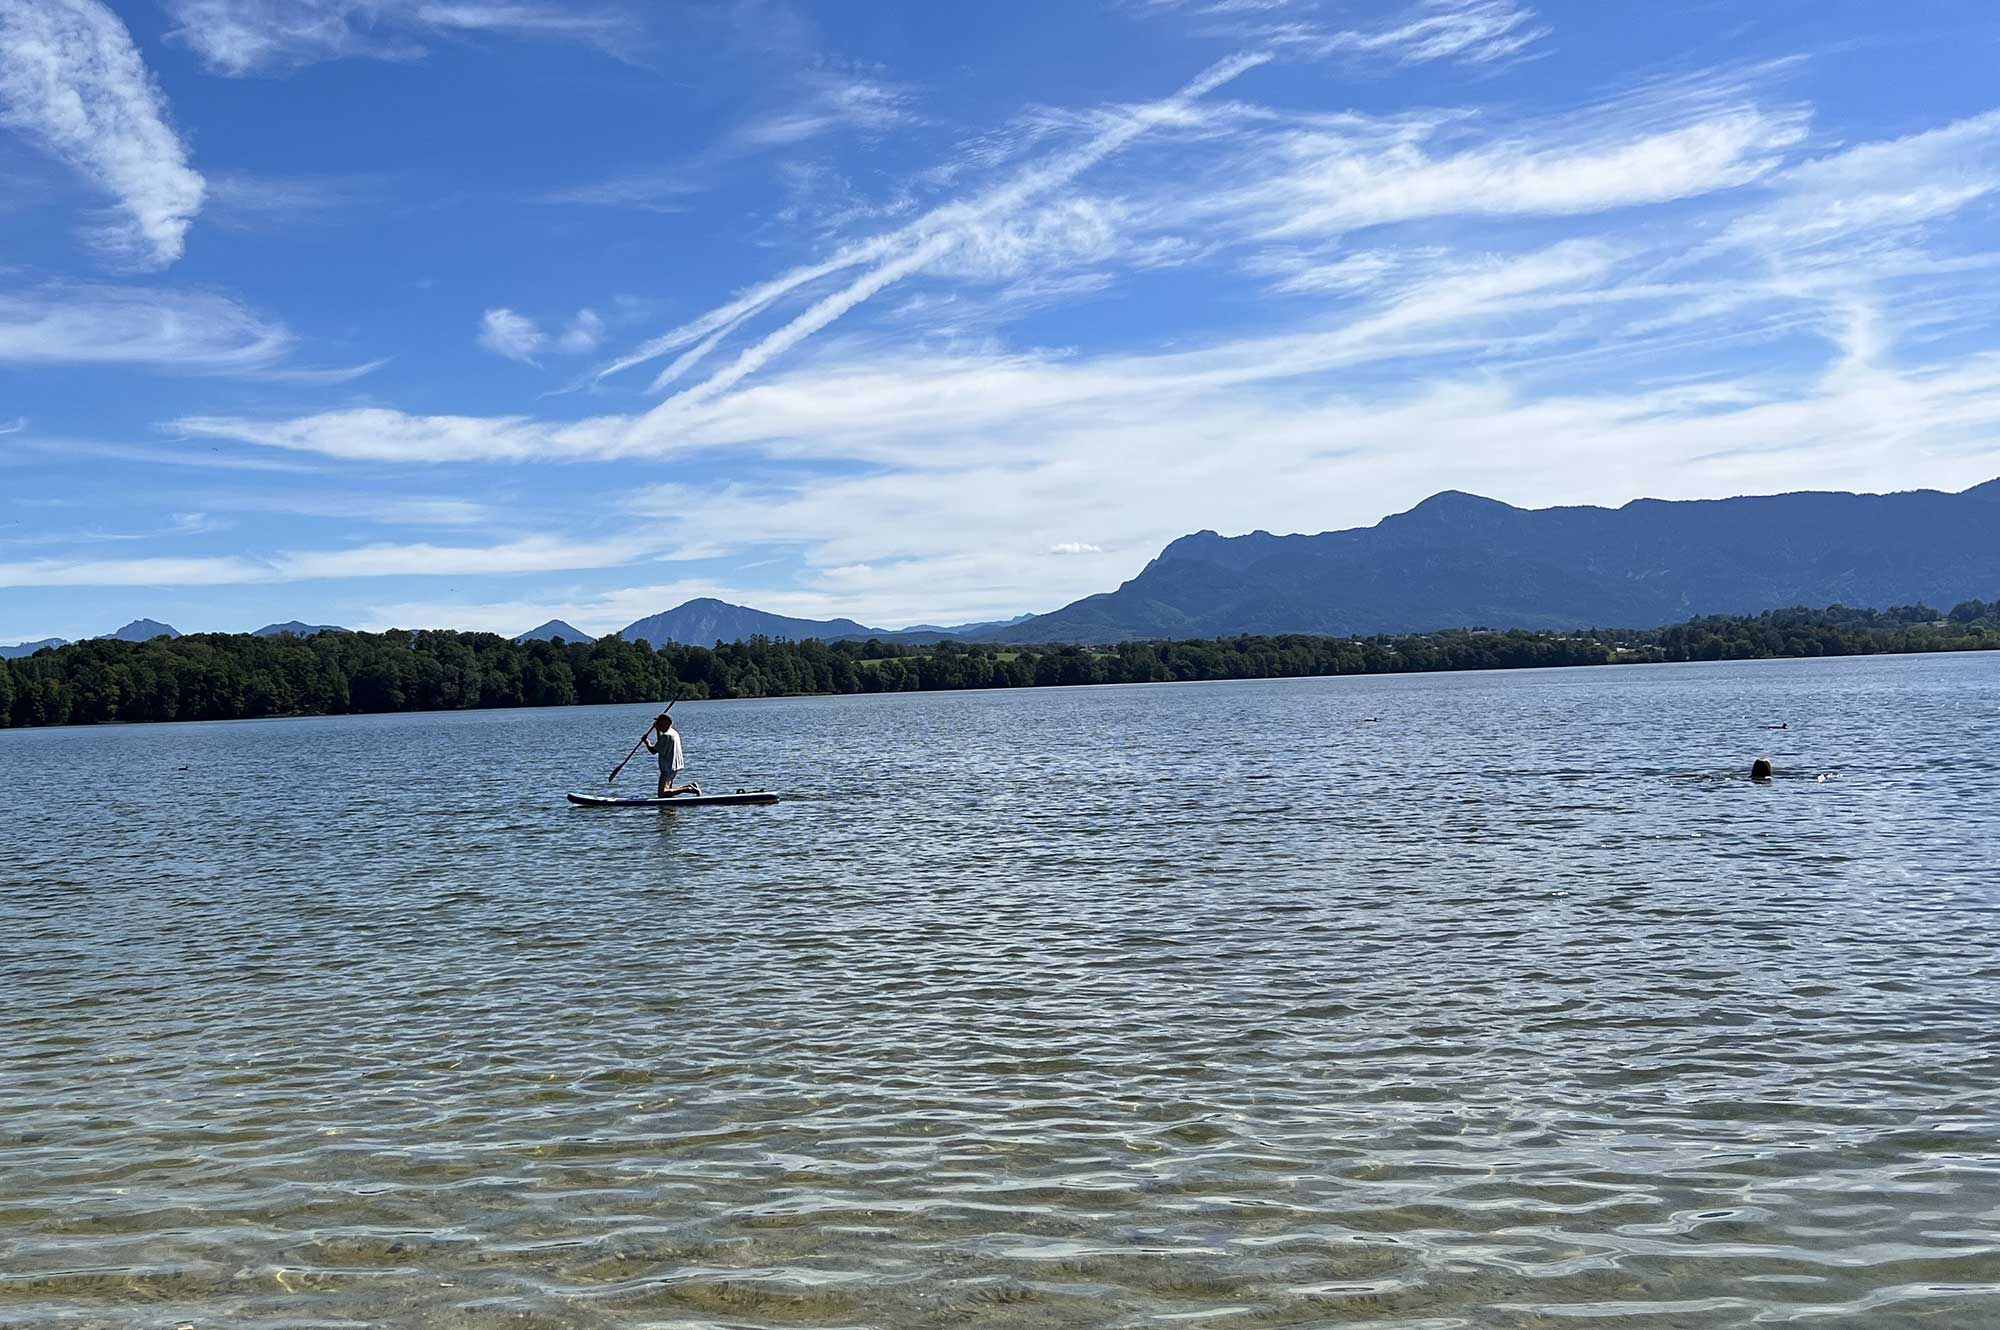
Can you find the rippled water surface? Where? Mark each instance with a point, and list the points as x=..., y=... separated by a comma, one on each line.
x=1458, y=1001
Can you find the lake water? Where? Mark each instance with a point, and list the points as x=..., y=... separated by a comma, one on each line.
x=1493, y=1000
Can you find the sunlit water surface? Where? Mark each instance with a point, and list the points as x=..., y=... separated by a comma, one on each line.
x=1497, y=1000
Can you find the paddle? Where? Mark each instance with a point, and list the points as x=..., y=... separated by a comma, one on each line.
x=613, y=778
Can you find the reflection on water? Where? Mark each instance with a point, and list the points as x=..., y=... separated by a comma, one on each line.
x=1216, y=1005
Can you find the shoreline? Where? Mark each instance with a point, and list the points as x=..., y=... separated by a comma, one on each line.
x=1016, y=689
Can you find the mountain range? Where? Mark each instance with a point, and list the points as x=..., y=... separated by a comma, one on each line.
x=1457, y=560
x=145, y=630
x=139, y=630
x=706, y=621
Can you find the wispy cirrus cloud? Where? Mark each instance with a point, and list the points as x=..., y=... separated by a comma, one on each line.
x=890, y=257
x=528, y=554
x=1877, y=187
x=354, y=506
x=871, y=409
x=146, y=572
x=1474, y=32
x=826, y=101
x=85, y=324
x=57, y=450
x=245, y=201
x=1272, y=178
x=196, y=332
x=661, y=191
x=1329, y=181
x=246, y=37
x=72, y=82
x=833, y=101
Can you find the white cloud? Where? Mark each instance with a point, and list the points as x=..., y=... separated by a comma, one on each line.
x=242, y=37
x=584, y=334
x=1475, y=31
x=518, y=337
x=212, y=457
x=1303, y=271
x=102, y=325
x=530, y=554
x=1331, y=181
x=1877, y=187
x=241, y=201
x=357, y=506
x=377, y=434
x=163, y=572
x=515, y=336
x=72, y=81
x=1075, y=547
x=651, y=191
x=1061, y=234
x=834, y=101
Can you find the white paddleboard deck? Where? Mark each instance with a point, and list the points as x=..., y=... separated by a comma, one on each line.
x=678, y=801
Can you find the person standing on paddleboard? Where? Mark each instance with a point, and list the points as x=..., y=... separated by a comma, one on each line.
x=668, y=746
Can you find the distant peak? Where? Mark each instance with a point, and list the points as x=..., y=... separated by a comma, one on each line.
x=1455, y=510
x=144, y=630
x=1446, y=501
x=555, y=630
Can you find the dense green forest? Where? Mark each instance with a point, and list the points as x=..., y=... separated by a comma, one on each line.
x=218, y=676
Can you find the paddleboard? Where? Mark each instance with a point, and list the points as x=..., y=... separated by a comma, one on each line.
x=678, y=801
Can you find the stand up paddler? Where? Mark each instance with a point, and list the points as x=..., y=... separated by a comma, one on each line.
x=665, y=740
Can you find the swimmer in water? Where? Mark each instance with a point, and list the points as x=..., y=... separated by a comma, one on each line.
x=1760, y=770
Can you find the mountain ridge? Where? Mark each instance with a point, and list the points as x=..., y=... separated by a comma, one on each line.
x=705, y=621
x=1460, y=560
x=293, y=628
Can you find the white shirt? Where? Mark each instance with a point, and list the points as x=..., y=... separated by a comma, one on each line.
x=670, y=751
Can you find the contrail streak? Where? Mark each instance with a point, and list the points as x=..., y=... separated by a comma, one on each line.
x=909, y=250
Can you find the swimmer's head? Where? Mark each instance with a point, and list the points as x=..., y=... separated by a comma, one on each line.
x=1761, y=769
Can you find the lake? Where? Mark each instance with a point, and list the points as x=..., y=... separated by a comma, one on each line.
x=1479, y=1000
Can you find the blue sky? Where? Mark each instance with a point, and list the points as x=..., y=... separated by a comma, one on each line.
x=474, y=313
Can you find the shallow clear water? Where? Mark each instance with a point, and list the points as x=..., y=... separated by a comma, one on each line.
x=1455, y=1001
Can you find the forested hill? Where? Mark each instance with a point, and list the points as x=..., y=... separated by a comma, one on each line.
x=235, y=676
x=1459, y=559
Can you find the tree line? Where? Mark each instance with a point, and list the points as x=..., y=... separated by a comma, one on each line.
x=233, y=676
